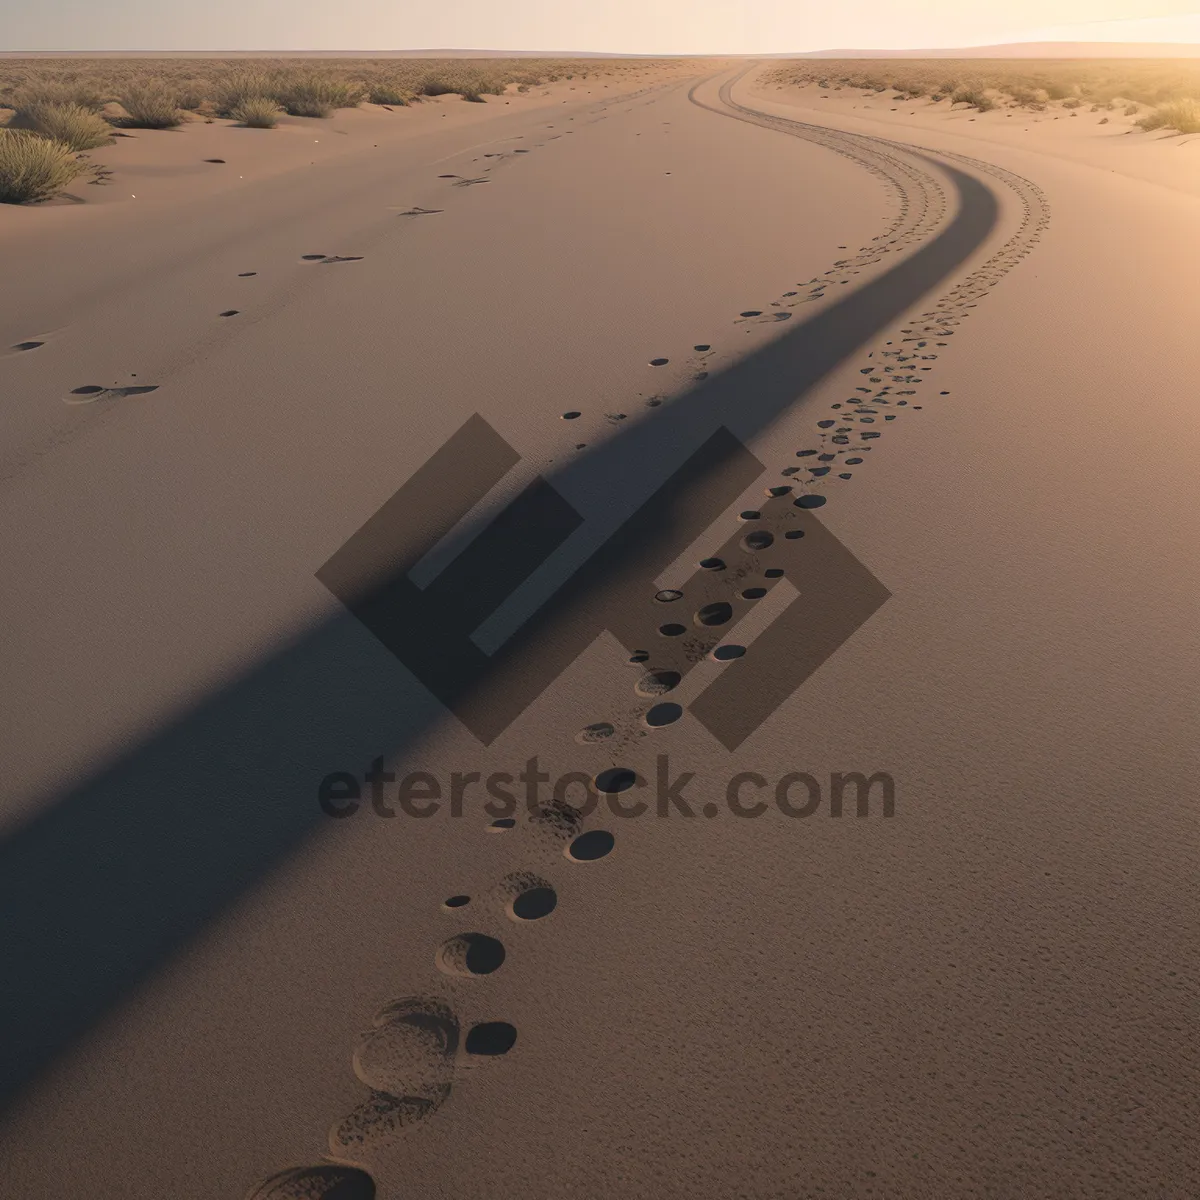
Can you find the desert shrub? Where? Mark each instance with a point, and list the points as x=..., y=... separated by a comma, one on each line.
x=975, y=97
x=195, y=94
x=76, y=127
x=1073, y=102
x=238, y=87
x=308, y=94
x=387, y=91
x=256, y=112
x=79, y=93
x=34, y=168
x=435, y=85
x=150, y=105
x=1028, y=97
x=1183, y=115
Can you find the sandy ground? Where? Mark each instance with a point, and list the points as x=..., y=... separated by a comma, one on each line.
x=990, y=993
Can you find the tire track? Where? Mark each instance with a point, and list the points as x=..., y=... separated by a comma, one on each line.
x=894, y=375
x=412, y=1053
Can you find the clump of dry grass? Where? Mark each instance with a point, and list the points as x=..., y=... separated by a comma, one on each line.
x=1182, y=115
x=306, y=94
x=76, y=127
x=150, y=105
x=304, y=88
x=389, y=92
x=256, y=112
x=975, y=97
x=33, y=168
x=1029, y=97
x=1154, y=82
x=237, y=88
x=82, y=94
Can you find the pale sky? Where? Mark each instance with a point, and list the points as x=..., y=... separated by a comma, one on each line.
x=623, y=26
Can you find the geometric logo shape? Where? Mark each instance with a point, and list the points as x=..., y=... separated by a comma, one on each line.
x=429, y=629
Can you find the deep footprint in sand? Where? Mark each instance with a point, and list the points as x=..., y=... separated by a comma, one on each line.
x=418, y=211
x=470, y=954
x=326, y=1181
x=30, y=345
x=91, y=392
x=490, y=1038
x=527, y=897
x=469, y=182
x=596, y=843
x=555, y=821
x=407, y=1059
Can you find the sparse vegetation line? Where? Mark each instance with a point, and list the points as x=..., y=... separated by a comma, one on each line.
x=52, y=110
x=1169, y=88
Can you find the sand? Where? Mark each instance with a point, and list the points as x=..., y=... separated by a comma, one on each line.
x=988, y=993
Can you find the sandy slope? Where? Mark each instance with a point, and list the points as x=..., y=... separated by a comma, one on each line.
x=988, y=994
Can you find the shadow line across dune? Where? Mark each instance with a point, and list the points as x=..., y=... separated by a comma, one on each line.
x=117, y=874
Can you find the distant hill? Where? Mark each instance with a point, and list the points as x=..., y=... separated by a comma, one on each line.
x=1047, y=50
x=320, y=54
x=1024, y=50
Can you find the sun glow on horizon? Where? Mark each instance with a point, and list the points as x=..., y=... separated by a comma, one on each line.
x=1183, y=29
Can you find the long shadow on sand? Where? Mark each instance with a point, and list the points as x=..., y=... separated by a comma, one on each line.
x=116, y=875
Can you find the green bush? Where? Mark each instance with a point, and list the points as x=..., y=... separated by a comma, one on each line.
x=76, y=127
x=34, y=168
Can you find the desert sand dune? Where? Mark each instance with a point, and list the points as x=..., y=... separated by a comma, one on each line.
x=753, y=436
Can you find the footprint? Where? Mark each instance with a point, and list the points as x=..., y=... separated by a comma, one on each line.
x=556, y=821
x=470, y=954
x=611, y=782
x=418, y=211
x=409, y=1052
x=311, y=257
x=30, y=345
x=246, y=274
x=663, y=714
x=527, y=897
x=327, y=1181
x=230, y=312
x=491, y=1037
x=90, y=393
x=378, y=1119
x=214, y=160
x=407, y=1059
x=337, y=258
x=588, y=847
x=598, y=731
x=470, y=182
